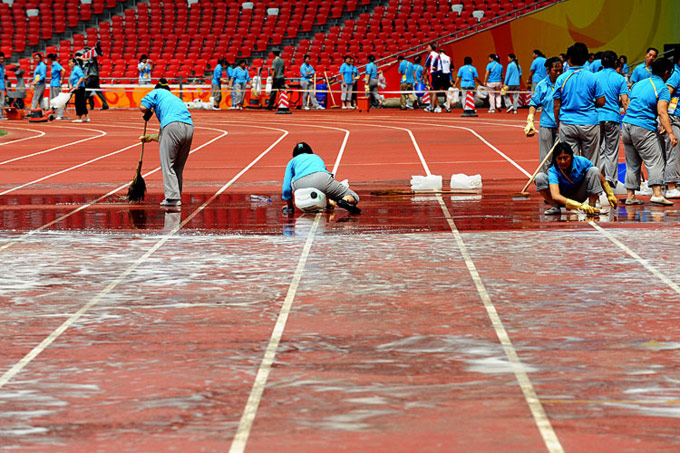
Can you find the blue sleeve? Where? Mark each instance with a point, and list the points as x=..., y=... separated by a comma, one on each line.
x=599, y=90
x=534, y=65
x=553, y=178
x=623, y=88
x=537, y=97
x=664, y=94
x=557, y=94
x=474, y=72
x=286, y=192
x=149, y=100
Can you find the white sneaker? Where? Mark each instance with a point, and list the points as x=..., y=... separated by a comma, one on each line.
x=216, y=108
x=344, y=107
x=86, y=120
x=171, y=203
x=2, y=118
x=305, y=108
x=492, y=111
x=77, y=121
x=438, y=110
x=59, y=118
x=319, y=107
x=673, y=193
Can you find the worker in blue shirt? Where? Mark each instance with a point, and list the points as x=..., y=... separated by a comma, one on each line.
x=467, y=75
x=3, y=88
x=239, y=81
x=406, y=84
x=174, y=139
x=615, y=91
x=649, y=99
x=543, y=97
x=307, y=84
x=513, y=74
x=576, y=97
x=39, y=79
x=625, y=69
x=493, y=79
x=76, y=83
x=596, y=65
x=644, y=70
x=347, y=82
x=418, y=82
x=538, y=70
x=672, y=173
x=573, y=182
x=55, y=81
x=306, y=169
x=220, y=74
x=371, y=81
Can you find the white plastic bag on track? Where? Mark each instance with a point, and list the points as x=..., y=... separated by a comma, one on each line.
x=60, y=100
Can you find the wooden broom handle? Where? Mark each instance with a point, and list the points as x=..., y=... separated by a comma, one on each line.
x=545, y=159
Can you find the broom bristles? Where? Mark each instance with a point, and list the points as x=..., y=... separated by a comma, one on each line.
x=137, y=188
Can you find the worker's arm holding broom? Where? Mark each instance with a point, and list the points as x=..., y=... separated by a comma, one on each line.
x=146, y=138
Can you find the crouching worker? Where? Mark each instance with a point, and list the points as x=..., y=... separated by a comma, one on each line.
x=307, y=170
x=175, y=137
x=571, y=182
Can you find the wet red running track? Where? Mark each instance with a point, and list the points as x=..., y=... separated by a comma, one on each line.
x=455, y=322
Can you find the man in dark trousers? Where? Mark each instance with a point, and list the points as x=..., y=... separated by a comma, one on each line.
x=91, y=69
x=278, y=77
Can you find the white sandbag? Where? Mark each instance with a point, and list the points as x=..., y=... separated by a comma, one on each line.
x=460, y=181
x=60, y=100
x=310, y=199
x=431, y=182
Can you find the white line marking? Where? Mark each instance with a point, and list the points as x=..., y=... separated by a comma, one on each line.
x=238, y=444
x=637, y=257
x=87, y=205
x=40, y=134
x=101, y=134
x=534, y=403
x=542, y=421
x=21, y=364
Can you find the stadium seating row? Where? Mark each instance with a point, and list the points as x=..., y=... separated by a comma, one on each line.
x=201, y=31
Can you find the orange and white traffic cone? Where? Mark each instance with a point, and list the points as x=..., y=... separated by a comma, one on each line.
x=469, y=107
x=283, y=103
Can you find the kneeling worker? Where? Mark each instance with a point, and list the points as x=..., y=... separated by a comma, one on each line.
x=307, y=170
x=175, y=137
x=571, y=181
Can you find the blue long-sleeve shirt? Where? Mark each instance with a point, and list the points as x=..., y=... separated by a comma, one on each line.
x=512, y=74
x=298, y=167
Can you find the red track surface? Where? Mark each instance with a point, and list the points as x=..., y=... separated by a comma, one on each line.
x=392, y=343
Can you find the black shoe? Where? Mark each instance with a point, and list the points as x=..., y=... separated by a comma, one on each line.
x=351, y=207
x=106, y=107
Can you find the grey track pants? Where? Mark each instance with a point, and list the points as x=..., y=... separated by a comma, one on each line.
x=642, y=145
x=326, y=184
x=672, y=172
x=175, y=143
x=583, y=139
x=590, y=185
x=610, y=136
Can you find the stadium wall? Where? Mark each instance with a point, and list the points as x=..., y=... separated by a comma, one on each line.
x=628, y=27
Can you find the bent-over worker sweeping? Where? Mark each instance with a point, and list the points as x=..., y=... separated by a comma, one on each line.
x=174, y=138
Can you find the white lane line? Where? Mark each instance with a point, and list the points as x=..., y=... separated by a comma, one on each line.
x=21, y=364
x=644, y=263
x=66, y=170
x=248, y=417
x=413, y=141
x=101, y=134
x=238, y=444
x=97, y=200
x=342, y=147
x=542, y=421
x=11, y=142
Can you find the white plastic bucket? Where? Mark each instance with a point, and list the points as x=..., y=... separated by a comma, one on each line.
x=310, y=199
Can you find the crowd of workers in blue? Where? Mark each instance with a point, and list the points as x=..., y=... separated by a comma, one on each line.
x=588, y=103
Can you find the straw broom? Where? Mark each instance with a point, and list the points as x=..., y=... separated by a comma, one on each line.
x=137, y=187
